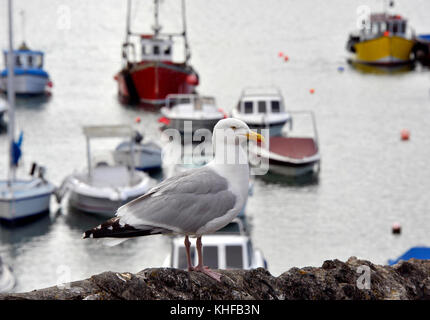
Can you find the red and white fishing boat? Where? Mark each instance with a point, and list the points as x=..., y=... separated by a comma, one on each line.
x=148, y=79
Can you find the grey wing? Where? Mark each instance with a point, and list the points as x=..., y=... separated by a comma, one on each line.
x=182, y=203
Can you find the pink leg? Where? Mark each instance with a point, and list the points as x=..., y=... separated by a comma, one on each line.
x=200, y=267
x=187, y=247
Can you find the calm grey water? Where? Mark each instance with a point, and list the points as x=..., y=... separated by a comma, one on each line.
x=369, y=178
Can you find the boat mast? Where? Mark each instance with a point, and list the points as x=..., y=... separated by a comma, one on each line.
x=127, y=28
x=11, y=98
x=184, y=27
x=156, y=27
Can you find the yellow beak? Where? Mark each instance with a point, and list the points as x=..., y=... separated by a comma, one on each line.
x=251, y=135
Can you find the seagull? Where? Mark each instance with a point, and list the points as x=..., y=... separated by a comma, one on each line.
x=192, y=203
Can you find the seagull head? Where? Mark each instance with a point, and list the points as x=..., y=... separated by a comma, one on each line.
x=233, y=132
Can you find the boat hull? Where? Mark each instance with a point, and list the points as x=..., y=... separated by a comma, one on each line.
x=384, y=50
x=100, y=206
x=25, y=205
x=26, y=84
x=179, y=124
x=147, y=156
x=150, y=82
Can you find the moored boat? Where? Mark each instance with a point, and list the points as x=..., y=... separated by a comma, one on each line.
x=384, y=40
x=148, y=79
x=422, y=49
x=292, y=155
x=104, y=187
x=30, y=78
x=262, y=108
x=190, y=112
x=20, y=199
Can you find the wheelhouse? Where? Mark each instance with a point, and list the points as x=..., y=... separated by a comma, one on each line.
x=25, y=59
x=261, y=105
x=156, y=49
x=384, y=24
x=191, y=102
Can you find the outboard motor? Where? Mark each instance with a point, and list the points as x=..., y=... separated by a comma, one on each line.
x=138, y=137
x=41, y=173
x=33, y=168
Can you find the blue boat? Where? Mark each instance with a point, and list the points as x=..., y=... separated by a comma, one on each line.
x=30, y=77
x=420, y=253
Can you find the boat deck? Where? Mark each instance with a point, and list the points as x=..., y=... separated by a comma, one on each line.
x=293, y=147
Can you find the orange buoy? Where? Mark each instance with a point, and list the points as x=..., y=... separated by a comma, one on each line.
x=396, y=228
x=137, y=120
x=386, y=33
x=280, y=54
x=312, y=91
x=405, y=134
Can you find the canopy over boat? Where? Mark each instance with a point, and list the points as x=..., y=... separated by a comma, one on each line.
x=421, y=253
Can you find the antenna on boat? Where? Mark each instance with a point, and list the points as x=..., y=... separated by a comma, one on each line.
x=127, y=28
x=156, y=27
x=11, y=98
x=184, y=24
x=23, y=45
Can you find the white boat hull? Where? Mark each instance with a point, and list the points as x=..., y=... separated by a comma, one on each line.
x=26, y=84
x=24, y=203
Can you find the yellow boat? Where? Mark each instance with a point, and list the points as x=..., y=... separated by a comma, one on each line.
x=383, y=42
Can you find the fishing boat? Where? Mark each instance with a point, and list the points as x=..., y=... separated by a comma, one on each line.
x=20, y=199
x=147, y=77
x=190, y=112
x=102, y=188
x=262, y=108
x=295, y=153
x=228, y=248
x=7, y=279
x=384, y=39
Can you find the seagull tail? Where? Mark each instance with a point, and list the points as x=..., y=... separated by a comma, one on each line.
x=113, y=228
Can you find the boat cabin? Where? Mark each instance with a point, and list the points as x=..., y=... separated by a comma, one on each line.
x=191, y=102
x=156, y=49
x=382, y=23
x=219, y=252
x=25, y=59
x=260, y=105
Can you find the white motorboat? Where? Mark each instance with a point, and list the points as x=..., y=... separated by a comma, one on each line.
x=104, y=187
x=20, y=199
x=262, y=108
x=147, y=154
x=190, y=112
x=229, y=248
x=7, y=279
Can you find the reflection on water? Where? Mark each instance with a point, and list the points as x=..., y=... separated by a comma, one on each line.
x=369, y=178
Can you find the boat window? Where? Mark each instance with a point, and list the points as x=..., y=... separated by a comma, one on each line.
x=250, y=252
x=18, y=61
x=30, y=61
x=167, y=50
x=156, y=50
x=210, y=256
x=276, y=108
x=248, y=107
x=403, y=27
x=182, y=258
x=262, y=106
x=234, y=257
x=395, y=27
x=143, y=50
x=38, y=61
x=375, y=28
x=383, y=27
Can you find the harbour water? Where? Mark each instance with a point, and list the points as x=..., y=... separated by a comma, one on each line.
x=369, y=178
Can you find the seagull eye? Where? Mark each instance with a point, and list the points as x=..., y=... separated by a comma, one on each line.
x=233, y=127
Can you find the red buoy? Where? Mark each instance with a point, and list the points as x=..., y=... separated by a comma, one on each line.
x=386, y=33
x=396, y=228
x=164, y=120
x=405, y=134
x=312, y=91
x=137, y=120
x=280, y=54
x=286, y=58
x=192, y=79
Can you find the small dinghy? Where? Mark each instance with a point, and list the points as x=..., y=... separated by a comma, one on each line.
x=262, y=108
x=7, y=279
x=292, y=155
x=147, y=155
x=103, y=188
x=191, y=112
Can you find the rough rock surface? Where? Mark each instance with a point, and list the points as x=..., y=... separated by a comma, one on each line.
x=333, y=280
